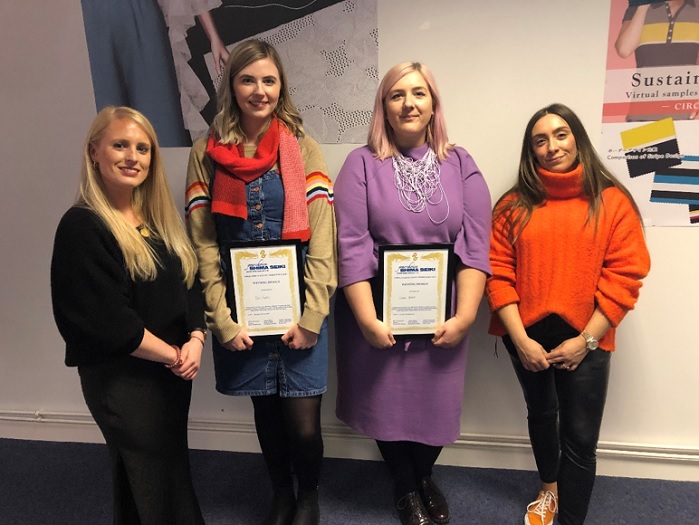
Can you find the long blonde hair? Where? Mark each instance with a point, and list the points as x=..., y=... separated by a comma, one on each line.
x=227, y=122
x=152, y=201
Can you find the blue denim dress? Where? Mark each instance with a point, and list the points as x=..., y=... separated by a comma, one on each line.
x=270, y=367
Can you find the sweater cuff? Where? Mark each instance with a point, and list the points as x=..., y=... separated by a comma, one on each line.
x=224, y=332
x=502, y=297
x=312, y=321
x=611, y=310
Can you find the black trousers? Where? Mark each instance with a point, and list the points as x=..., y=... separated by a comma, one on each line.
x=142, y=409
x=564, y=413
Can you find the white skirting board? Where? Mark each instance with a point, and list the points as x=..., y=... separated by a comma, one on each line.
x=632, y=460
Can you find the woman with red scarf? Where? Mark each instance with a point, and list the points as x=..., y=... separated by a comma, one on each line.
x=258, y=177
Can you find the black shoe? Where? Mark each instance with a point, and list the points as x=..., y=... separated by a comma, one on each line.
x=434, y=500
x=307, y=509
x=283, y=507
x=411, y=511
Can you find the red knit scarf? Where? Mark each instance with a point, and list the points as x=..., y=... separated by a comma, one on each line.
x=234, y=171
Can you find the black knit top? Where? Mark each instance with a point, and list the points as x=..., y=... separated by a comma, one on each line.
x=100, y=311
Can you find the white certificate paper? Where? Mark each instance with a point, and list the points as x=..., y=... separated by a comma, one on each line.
x=416, y=287
x=266, y=287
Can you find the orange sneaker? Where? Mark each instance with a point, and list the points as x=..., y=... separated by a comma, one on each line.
x=542, y=510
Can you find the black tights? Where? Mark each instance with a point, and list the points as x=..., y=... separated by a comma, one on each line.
x=409, y=462
x=288, y=429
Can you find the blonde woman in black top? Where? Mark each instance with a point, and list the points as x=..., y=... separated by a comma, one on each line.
x=127, y=303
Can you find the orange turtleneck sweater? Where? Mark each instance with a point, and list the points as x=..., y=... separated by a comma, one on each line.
x=559, y=265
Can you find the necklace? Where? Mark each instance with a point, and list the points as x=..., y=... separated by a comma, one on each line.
x=143, y=230
x=417, y=182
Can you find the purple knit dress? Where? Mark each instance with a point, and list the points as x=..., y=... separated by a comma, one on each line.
x=413, y=391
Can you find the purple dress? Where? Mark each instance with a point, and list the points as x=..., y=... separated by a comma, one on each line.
x=413, y=391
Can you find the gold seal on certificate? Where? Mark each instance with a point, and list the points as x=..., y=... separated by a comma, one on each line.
x=265, y=285
x=415, y=287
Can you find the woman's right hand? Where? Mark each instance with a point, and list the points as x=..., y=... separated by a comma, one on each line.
x=532, y=355
x=378, y=334
x=239, y=343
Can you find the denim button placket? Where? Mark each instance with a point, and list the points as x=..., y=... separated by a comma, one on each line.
x=265, y=202
x=255, y=215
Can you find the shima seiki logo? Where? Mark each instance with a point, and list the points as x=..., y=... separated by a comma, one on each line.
x=262, y=266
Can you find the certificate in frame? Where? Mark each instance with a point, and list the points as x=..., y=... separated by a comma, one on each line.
x=414, y=287
x=265, y=285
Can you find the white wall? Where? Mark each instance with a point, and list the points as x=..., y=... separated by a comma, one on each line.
x=496, y=63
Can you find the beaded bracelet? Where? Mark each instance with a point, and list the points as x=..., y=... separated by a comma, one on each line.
x=178, y=361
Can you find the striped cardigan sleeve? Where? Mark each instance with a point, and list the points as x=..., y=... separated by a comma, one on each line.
x=202, y=232
x=320, y=272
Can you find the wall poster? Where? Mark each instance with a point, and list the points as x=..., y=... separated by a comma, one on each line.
x=165, y=59
x=650, y=130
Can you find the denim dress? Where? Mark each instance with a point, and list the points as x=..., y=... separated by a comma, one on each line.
x=270, y=367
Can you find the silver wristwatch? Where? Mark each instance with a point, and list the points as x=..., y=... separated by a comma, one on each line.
x=590, y=341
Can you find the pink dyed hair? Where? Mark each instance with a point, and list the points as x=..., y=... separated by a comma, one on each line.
x=381, y=141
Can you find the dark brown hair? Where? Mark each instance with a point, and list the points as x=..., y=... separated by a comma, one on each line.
x=519, y=202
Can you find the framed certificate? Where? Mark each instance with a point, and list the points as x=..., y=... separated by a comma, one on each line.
x=414, y=287
x=265, y=285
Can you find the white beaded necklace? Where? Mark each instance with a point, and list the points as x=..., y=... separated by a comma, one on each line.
x=417, y=181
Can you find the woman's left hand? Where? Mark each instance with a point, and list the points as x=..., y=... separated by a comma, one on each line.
x=569, y=354
x=451, y=333
x=298, y=338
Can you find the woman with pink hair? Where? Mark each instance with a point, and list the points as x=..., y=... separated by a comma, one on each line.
x=408, y=185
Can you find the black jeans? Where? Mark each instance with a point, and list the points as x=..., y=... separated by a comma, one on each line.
x=564, y=413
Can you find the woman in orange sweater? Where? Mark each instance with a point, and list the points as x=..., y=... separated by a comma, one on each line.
x=567, y=255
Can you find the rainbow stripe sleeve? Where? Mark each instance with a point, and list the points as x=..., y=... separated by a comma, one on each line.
x=319, y=186
x=196, y=196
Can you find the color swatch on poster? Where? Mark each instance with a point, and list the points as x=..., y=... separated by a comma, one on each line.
x=677, y=185
x=650, y=147
x=694, y=214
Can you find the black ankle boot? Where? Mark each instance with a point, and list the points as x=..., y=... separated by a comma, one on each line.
x=283, y=507
x=411, y=510
x=434, y=500
x=307, y=509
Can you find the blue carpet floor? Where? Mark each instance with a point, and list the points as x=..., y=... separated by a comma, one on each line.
x=69, y=484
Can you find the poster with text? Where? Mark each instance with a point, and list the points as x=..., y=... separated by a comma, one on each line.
x=650, y=129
